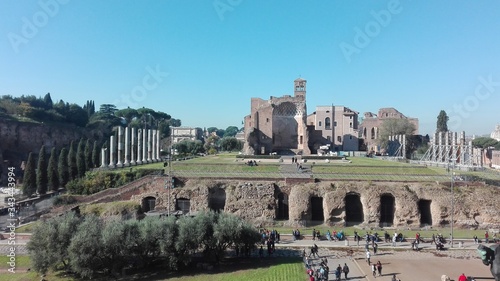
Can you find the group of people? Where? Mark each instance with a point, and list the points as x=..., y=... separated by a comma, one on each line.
x=322, y=271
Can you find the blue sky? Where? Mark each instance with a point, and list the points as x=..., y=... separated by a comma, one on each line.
x=202, y=61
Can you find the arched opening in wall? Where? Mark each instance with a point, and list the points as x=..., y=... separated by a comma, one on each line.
x=182, y=204
x=424, y=208
x=353, y=209
x=217, y=199
x=317, y=209
x=282, y=211
x=386, y=210
x=148, y=203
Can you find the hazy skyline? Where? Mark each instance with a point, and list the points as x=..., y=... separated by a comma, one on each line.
x=202, y=61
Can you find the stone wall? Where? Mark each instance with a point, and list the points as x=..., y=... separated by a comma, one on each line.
x=474, y=206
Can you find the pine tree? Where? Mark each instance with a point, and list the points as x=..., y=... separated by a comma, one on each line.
x=41, y=172
x=88, y=156
x=95, y=155
x=52, y=175
x=72, y=168
x=80, y=159
x=63, y=168
x=29, y=179
x=442, y=122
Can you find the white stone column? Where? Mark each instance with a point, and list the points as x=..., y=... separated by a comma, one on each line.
x=153, y=146
x=111, y=152
x=139, y=146
x=126, y=163
x=132, y=146
x=119, y=163
x=104, y=163
x=144, y=147
x=158, y=147
x=149, y=146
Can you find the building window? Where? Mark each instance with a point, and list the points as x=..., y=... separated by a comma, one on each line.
x=319, y=124
x=335, y=123
x=372, y=134
x=350, y=117
x=339, y=139
x=350, y=124
x=267, y=120
x=329, y=139
x=327, y=123
x=301, y=139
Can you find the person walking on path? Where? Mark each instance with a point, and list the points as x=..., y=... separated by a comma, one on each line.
x=379, y=268
x=374, y=270
x=486, y=237
x=462, y=277
x=345, y=270
x=368, y=255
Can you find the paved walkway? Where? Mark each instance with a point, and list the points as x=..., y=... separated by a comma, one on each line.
x=427, y=264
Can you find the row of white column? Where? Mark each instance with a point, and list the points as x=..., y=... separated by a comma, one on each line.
x=131, y=147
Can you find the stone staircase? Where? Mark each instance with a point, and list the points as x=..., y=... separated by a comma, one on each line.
x=291, y=170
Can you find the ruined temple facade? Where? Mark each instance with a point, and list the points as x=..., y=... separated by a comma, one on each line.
x=278, y=125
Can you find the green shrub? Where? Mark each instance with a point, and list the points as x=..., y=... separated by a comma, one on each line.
x=64, y=199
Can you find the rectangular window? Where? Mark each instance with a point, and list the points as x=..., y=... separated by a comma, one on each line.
x=328, y=138
x=334, y=123
x=267, y=120
x=319, y=124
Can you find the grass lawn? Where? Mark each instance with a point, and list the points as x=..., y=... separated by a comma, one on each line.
x=273, y=269
x=226, y=165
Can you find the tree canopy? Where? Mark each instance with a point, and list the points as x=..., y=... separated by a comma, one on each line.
x=442, y=122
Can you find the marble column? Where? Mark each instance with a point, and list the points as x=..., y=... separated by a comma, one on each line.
x=126, y=163
x=153, y=146
x=119, y=163
x=139, y=146
x=132, y=146
x=104, y=163
x=111, y=152
x=144, y=147
x=158, y=149
x=149, y=145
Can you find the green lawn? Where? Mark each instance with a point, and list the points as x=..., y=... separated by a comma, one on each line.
x=226, y=165
x=252, y=269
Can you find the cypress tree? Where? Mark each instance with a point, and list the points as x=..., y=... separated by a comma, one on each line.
x=29, y=179
x=88, y=156
x=62, y=167
x=95, y=155
x=72, y=168
x=80, y=159
x=52, y=171
x=41, y=172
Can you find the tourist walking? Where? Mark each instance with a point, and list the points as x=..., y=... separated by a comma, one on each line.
x=345, y=270
x=374, y=270
x=368, y=255
x=379, y=268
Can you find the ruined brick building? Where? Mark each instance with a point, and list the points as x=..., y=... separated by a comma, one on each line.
x=281, y=125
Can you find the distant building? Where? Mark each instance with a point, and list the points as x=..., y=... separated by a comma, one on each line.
x=496, y=133
x=278, y=124
x=371, y=125
x=335, y=127
x=186, y=133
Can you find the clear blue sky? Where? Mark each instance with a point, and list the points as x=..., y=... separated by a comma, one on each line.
x=202, y=61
